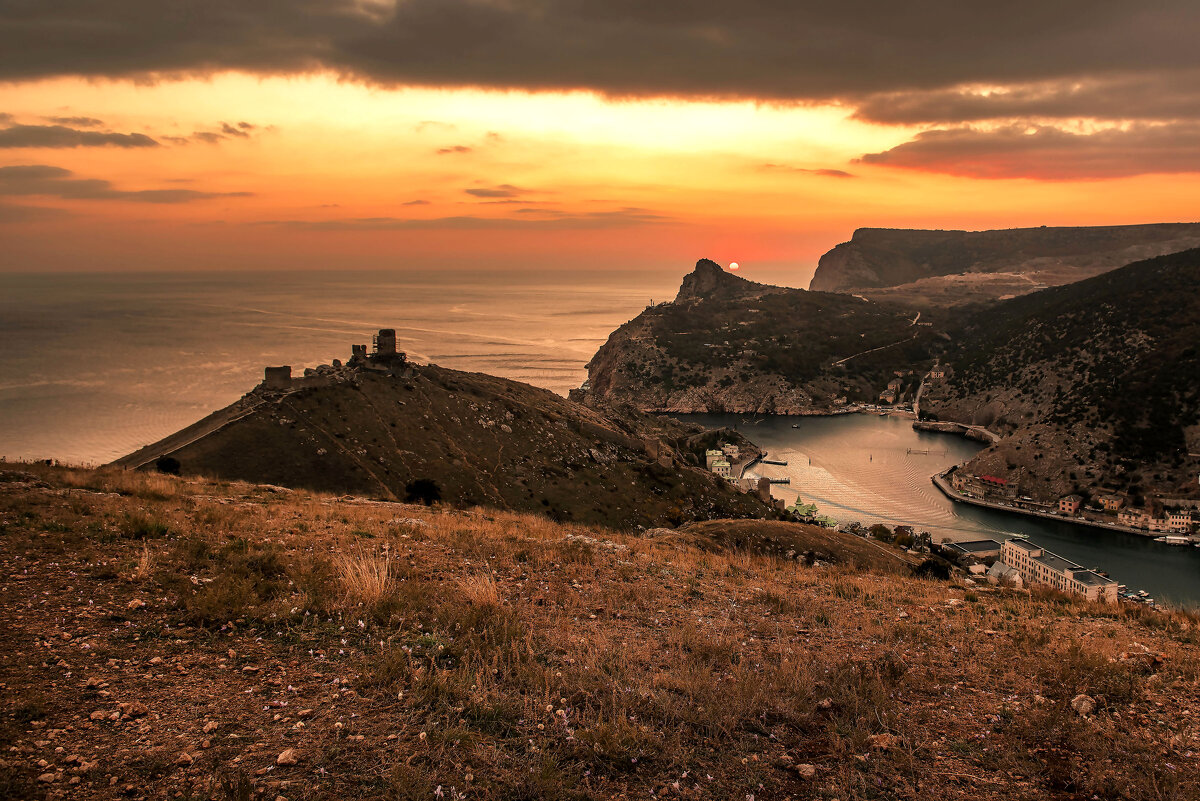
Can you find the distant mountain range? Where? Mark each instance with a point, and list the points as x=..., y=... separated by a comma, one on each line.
x=940, y=268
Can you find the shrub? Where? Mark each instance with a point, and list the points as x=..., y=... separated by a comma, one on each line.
x=423, y=490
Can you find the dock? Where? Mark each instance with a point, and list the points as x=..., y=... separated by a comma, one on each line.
x=780, y=480
x=775, y=462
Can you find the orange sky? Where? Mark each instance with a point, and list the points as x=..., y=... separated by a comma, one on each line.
x=331, y=173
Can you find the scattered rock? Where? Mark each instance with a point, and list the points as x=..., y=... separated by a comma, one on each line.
x=184, y=759
x=806, y=771
x=1083, y=705
x=99, y=714
x=884, y=742
x=288, y=757
x=134, y=709
x=210, y=727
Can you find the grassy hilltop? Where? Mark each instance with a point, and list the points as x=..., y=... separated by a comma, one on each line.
x=168, y=637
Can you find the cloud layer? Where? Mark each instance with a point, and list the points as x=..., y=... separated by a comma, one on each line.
x=757, y=48
x=43, y=180
x=1049, y=153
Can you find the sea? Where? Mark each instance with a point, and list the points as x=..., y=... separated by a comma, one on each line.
x=94, y=366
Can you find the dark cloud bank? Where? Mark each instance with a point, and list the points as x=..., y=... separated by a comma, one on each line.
x=43, y=180
x=918, y=63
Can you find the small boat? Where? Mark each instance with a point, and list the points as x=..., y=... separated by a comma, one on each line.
x=795, y=425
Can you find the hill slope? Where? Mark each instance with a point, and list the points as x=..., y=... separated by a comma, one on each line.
x=164, y=636
x=726, y=344
x=950, y=267
x=482, y=440
x=1094, y=385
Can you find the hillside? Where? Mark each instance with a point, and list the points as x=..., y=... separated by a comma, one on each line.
x=1095, y=386
x=941, y=268
x=165, y=637
x=726, y=344
x=468, y=439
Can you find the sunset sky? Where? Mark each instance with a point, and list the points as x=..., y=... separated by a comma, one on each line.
x=227, y=134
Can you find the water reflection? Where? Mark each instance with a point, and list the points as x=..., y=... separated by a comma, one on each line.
x=877, y=470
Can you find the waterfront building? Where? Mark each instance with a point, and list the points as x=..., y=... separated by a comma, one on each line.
x=1036, y=565
x=1134, y=518
x=712, y=455
x=730, y=450
x=1069, y=504
x=1180, y=520
x=722, y=468
x=1112, y=503
x=972, y=549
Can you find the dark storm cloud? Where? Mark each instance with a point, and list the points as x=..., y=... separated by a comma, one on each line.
x=770, y=49
x=62, y=136
x=1169, y=97
x=617, y=218
x=501, y=191
x=1049, y=153
x=47, y=181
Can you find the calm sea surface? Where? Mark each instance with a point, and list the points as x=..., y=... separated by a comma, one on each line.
x=859, y=467
x=95, y=366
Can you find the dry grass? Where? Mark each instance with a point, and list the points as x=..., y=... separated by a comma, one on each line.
x=545, y=660
x=365, y=577
x=479, y=590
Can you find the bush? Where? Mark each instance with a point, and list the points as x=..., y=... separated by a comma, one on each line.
x=423, y=490
x=167, y=464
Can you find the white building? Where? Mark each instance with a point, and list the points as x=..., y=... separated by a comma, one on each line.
x=730, y=450
x=1038, y=566
x=722, y=468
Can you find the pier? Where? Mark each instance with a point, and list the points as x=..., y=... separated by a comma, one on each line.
x=775, y=462
x=924, y=452
x=780, y=480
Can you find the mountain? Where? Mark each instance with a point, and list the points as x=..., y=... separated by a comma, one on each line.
x=395, y=430
x=727, y=344
x=1094, y=386
x=942, y=268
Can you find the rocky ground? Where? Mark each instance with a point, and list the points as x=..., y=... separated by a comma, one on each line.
x=167, y=638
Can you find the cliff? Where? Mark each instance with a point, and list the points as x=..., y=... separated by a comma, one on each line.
x=477, y=439
x=730, y=345
x=947, y=267
x=1095, y=386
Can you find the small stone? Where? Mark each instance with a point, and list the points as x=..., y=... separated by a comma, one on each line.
x=884, y=742
x=903, y=615
x=156, y=660
x=99, y=714
x=134, y=709
x=825, y=703
x=184, y=759
x=211, y=726
x=954, y=602
x=48, y=778
x=806, y=771
x=289, y=757
x=136, y=603
x=1083, y=705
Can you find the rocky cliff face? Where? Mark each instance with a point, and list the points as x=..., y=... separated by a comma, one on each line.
x=710, y=280
x=960, y=266
x=730, y=345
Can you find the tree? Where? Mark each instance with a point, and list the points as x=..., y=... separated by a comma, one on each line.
x=423, y=490
x=880, y=532
x=168, y=465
